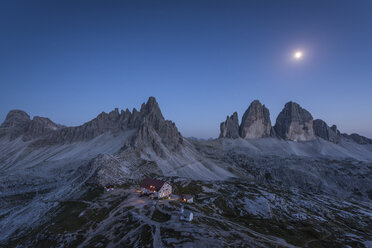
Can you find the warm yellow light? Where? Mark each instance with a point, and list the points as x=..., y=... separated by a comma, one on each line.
x=298, y=55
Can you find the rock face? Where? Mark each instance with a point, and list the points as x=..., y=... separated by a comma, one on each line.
x=15, y=124
x=230, y=128
x=154, y=130
x=322, y=130
x=40, y=126
x=294, y=123
x=18, y=123
x=16, y=118
x=256, y=122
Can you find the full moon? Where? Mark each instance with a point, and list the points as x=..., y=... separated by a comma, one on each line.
x=298, y=55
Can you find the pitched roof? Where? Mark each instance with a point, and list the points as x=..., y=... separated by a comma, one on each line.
x=152, y=182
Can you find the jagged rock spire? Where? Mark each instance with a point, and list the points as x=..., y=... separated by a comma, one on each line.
x=322, y=130
x=256, y=122
x=230, y=128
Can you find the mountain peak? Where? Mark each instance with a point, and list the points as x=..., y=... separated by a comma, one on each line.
x=18, y=123
x=15, y=118
x=151, y=106
x=15, y=124
x=296, y=112
x=230, y=127
x=294, y=123
x=256, y=122
x=154, y=128
x=151, y=101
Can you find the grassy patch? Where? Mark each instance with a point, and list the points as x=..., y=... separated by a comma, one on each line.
x=97, y=215
x=46, y=243
x=3, y=215
x=125, y=223
x=298, y=235
x=369, y=193
x=216, y=224
x=207, y=210
x=93, y=193
x=331, y=244
x=98, y=241
x=158, y=216
x=227, y=210
x=181, y=237
x=170, y=233
x=78, y=240
x=67, y=218
x=193, y=188
x=145, y=238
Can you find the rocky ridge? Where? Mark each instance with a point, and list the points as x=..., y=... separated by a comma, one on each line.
x=293, y=123
x=322, y=130
x=18, y=123
x=149, y=122
x=357, y=138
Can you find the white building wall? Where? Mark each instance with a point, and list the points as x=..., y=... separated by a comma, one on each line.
x=165, y=191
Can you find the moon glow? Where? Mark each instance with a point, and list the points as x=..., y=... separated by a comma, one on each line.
x=298, y=55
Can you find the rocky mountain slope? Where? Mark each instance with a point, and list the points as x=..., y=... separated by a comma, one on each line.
x=299, y=183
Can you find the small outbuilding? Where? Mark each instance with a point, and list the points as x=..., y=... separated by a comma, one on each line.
x=187, y=198
x=158, y=188
x=186, y=215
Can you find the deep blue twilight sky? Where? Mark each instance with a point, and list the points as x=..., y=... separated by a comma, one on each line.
x=202, y=60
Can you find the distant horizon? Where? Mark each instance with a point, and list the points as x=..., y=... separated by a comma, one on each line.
x=272, y=117
x=202, y=60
